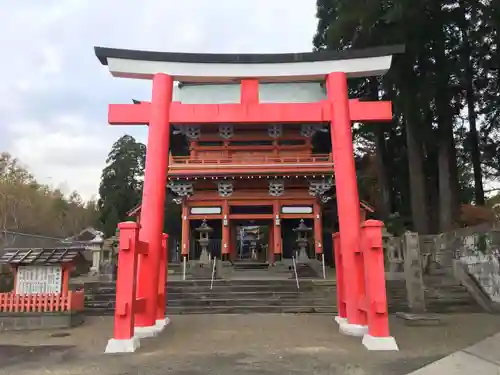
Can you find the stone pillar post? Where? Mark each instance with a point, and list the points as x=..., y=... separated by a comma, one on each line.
x=413, y=272
x=161, y=319
x=96, y=258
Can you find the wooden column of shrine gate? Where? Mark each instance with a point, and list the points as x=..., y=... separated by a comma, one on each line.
x=360, y=279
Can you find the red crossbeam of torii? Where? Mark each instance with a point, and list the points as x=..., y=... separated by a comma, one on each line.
x=133, y=114
x=250, y=111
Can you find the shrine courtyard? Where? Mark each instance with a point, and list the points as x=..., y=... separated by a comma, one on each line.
x=240, y=344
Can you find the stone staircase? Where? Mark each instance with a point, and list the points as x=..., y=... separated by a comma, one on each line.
x=239, y=296
x=230, y=297
x=444, y=294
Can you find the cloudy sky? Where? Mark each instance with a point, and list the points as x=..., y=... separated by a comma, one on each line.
x=54, y=93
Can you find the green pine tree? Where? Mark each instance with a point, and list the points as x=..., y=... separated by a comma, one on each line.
x=121, y=182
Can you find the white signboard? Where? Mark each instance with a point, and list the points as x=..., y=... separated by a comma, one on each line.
x=205, y=210
x=296, y=209
x=39, y=280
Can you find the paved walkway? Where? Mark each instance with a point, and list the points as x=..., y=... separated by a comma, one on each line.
x=482, y=358
x=240, y=344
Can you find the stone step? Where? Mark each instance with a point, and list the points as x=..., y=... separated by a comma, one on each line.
x=178, y=310
x=250, y=266
x=239, y=291
x=456, y=308
x=268, y=296
x=225, y=301
x=232, y=303
x=226, y=304
x=200, y=284
x=232, y=282
x=455, y=293
x=251, y=302
x=392, y=284
x=225, y=290
x=233, y=310
x=263, y=294
x=109, y=307
x=233, y=295
x=254, y=310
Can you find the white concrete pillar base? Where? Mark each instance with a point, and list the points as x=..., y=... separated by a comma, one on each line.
x=340, y=320
x=122, y=346
x=145, y=332
x=353, y=329
x=380, y=343
x=162, y=323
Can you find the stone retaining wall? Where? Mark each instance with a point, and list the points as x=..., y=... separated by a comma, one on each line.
x=36, y=320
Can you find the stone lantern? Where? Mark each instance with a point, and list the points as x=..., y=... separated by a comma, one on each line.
x=95, y=247
x=302, y=240
x=204, y=231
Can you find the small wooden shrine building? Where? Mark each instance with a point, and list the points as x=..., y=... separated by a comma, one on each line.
x=41, y=287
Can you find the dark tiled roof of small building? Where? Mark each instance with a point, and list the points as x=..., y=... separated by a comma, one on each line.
x=41, y=256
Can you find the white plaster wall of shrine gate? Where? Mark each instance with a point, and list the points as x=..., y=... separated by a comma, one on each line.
x=271, y=72
x=292, y=92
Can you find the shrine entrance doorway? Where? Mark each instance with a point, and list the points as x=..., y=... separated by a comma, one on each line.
x=252, y=240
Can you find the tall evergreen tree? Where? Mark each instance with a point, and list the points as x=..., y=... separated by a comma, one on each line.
x=121, y=182
x=445, y=90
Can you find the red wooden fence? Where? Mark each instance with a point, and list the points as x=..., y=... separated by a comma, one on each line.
x=11, y=302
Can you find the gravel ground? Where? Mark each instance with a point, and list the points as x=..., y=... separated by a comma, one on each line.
x=239, y=344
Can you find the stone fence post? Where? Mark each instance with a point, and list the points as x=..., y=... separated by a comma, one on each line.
x=413, y=272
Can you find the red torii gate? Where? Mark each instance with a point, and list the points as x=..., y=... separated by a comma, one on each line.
x=359, y=256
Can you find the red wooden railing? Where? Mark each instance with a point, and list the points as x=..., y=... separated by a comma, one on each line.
x=245, y=160
x=11, y=302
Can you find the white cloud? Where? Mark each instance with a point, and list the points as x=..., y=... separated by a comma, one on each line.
x=54, y=93
x=64, y=154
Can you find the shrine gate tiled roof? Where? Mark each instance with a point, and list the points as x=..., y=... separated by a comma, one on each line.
x=41, y=256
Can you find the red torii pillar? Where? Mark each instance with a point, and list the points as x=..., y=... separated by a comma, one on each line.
x=153, y=203
x=140, y=309
x=361, y=282
x=347, y=201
